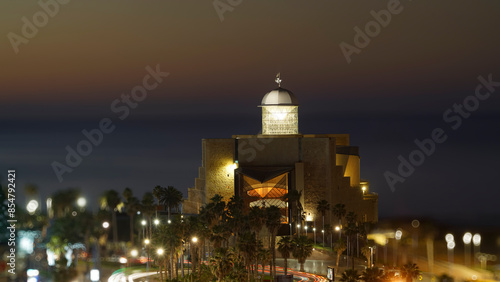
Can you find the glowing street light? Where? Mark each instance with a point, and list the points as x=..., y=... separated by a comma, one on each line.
x=134, y=253
x=81, y=202
x=143, y=222
x=476, y=239
x=105, y=225
x=159, y=251
x=194, y=239
x=32, y=206
x=314, y=229
x=156, y=221
x=449, y=238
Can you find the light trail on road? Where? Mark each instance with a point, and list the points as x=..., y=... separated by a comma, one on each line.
x=119, y=276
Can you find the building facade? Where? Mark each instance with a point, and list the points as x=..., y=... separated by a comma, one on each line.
x=263, y=168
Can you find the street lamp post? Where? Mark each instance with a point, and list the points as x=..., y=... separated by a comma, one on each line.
x=414, y=242
x=397, y=236
x=371, y=256
x=476, y=240
x=314, y=229
x=143, y=223
x=146, y=242
x=194, y=240
x=467, y=240
x=450, y=244
x=323, y=231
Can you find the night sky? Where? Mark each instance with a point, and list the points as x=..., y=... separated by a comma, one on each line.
x=428, y=57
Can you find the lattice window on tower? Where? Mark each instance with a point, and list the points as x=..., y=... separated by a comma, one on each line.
x=280, y=120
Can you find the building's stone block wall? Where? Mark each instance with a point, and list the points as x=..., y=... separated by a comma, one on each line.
x=219, y=170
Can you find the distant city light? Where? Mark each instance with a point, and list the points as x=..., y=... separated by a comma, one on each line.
x=476, y=239
x=81, y=202
x=32, y=206
x=134, y=253
x=415, y=223
x=449, y=238
x=26, y=244
x=467, y=238
x=399, y=234
x=94, y=275
x=451, y=245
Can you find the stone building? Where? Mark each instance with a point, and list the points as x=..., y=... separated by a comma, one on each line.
x=263, y=168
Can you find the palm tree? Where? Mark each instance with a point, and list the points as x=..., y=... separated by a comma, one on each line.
x=339, y=212
x=169, y=197
x=264, y=256
x=350, y=275
x=273, y=222
x=445, y=278
x=285, y=247
x=372, y=274
x=247, y=244
x=221, y=263
x=111, y=200
x=302, y=249
x=148, y=209
x=410, y=271
x=293, y=199
x=322, y=207
x=339, y=248
x=64, y=200
x=256, y=218
x=132, y=205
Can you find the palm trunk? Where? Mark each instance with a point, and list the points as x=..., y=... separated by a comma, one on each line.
x=273, y=243
x=161, y=273
x=302, y=267
x=132, y=228
x=286, y=265
x=115, y=227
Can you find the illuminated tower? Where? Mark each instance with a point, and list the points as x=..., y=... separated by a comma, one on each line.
x=280, y=112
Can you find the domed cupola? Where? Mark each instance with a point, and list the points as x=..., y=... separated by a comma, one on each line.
x=280, y=111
